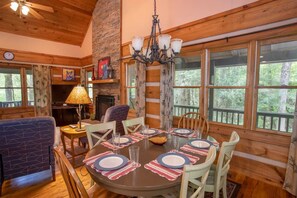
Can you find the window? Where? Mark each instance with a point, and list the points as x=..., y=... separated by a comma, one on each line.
x=131, y=84
x=277, y=86
x=16, y=87
x=89, y=84
x=227, y=86
x=187, y=81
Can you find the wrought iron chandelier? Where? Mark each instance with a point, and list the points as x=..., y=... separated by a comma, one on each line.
x=160, y=50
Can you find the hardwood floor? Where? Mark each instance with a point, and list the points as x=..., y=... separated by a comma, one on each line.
x=39, y=185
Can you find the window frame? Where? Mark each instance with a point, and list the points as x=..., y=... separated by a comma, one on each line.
x=87, y=82
x=208, y=86
x=23, y=81
x=257, y=87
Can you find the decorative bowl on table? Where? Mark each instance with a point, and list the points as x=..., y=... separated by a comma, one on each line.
x=158, y=140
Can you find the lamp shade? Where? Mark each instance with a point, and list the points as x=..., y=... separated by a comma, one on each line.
x=78, y=95
x=176, y=45
x=25, y=10
x=137, y=43
x=164, y=41
x=14, y=5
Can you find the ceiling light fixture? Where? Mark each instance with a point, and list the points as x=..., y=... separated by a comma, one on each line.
x=157, y=50
x=15, y=4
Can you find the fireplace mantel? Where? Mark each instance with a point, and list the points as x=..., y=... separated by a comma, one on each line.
x=106, y=81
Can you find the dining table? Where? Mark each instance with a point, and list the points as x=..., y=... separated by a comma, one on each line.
x=142, y=181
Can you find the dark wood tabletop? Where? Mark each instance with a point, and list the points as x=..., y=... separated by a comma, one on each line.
x=140, y=182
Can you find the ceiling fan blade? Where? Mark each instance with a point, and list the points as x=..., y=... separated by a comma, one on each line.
x=36, y=14
x=40, y=7
x=5, y=6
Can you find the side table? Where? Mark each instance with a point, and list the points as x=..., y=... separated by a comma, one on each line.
x=71, y=134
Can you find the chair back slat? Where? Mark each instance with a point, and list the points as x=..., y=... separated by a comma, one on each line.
x=99, y=132
x=74, y=186
x=194, y=121
x=225, y=156
x=133, y=125
x=197, y=175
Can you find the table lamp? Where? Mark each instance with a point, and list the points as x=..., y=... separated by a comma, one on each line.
x=79, y=96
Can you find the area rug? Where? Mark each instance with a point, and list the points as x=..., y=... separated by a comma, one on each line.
x=232, y=190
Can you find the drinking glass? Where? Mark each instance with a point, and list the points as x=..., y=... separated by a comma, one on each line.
x=116, y=141
x=198, y=133
x=134, y=155
x=175, y=142
x=145, y=131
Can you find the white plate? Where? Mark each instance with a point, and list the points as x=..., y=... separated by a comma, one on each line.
x=203, y=144
x=122, y=140
x=110, y=162
x=149, y=131
x=173, y=160
x=183, y=131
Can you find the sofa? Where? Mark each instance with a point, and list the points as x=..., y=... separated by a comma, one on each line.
x=26, y=147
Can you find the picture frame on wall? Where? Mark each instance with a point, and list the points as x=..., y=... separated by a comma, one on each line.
x=103, y=65
x=68, y=75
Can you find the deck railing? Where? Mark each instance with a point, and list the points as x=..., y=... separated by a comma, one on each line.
x=265, y=120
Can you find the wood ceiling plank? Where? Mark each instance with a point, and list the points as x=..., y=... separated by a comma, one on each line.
x=40, y=7
x=36, y=14
x=88, y=5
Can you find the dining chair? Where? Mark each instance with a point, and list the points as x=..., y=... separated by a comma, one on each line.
x=133, y=125
x=197, y=175
x=96, y=133
x=74, y=185
x=217, y=179
x=194, y=121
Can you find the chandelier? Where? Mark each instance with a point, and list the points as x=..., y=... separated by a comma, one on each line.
x=160, y=50
x=19, y=3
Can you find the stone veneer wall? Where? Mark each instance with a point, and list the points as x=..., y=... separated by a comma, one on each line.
x=106, y=38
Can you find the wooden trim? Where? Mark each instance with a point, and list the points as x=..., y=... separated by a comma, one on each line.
x=104, y=81
x=189, y=87
x=276, y=87
x=226, y=87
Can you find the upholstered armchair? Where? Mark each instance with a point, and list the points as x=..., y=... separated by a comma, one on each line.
x=26, y=147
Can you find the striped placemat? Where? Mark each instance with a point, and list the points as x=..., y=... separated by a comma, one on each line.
x=141, y=136
x=194, y=150
x=109, y=145
x=192, y=135
x=169, y=173
x=114, y=174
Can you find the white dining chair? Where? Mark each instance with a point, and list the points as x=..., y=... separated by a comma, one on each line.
x=196, y=175
x=133, y=125
x=99, y=132
x=217, y=179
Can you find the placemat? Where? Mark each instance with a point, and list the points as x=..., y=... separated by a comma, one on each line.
x=109, y=145
x=169, y=173
x=113, y=174
x=202, y=152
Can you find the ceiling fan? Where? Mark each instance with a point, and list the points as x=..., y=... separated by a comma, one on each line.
x=25, y=7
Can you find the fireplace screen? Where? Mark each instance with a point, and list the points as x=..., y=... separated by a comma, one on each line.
x=103, y=102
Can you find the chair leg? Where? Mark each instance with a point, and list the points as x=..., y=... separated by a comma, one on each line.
x=225, y=187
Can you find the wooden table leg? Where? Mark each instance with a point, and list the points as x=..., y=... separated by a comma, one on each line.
x=63, y=142
x=72, y=151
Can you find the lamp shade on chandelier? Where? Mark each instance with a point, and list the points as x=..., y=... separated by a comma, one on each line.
x=160, y=48
x=14, y=5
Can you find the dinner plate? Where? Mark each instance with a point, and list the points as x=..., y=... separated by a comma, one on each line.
x=123, y=140
x=110, y=162
x=202, y=144
x=182, y=131
x=173, y=160
x=149, y=132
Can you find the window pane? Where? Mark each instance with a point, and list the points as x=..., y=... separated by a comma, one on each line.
x=187, y=71
x=89, y=75
x=228, y=68
x=131, y=75
x=90, y=90
x=278, y=64
x=226, y=105
x=10, y=87
x=30, y=91
x=185, y=100
x=276, y=108
x=131, y=96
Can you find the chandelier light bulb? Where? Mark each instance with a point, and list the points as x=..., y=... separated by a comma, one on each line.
x=164, y=41
x=25, y=10
x=137, y=43
x=176, y=45
x=14, y=5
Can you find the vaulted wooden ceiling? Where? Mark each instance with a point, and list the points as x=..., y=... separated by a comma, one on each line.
x=68, y=23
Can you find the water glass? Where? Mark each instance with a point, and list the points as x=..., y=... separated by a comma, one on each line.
x=198, y=134
x=115, y=141
x=175, y=141
x=134, y=155
x=145, y=130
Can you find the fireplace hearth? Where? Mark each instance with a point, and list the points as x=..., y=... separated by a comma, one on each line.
x=103, y=102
